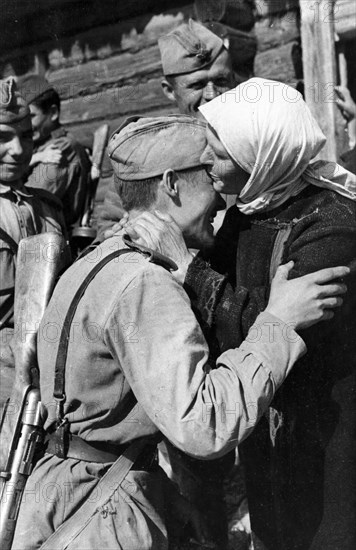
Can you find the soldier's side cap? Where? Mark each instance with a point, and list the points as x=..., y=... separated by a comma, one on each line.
x=32, y=86
x=13, y=107
x=188, y=48
x=144, y=148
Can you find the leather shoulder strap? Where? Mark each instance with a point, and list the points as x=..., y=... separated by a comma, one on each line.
x=59, y=373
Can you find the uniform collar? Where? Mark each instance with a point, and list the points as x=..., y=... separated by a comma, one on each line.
x=18, y=189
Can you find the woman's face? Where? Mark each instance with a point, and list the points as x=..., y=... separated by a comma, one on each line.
x=227, y=175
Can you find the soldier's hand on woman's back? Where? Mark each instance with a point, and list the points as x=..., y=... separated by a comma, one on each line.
x=306, y=300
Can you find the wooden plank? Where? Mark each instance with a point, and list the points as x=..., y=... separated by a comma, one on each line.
x=114, y=102
x=278, y=30
x=120, y=69
x=319, y=64
x=84, y=130
x=277, y=64
x=264, y=8
x=72, y=18
x=98, y=42
x=235, y=13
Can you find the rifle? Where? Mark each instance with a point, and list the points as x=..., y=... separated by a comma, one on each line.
x=85, y=233
x=40, y=259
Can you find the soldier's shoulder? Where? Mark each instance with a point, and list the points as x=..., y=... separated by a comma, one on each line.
x=64, y=140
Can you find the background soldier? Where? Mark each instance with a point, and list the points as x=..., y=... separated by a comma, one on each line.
x=197, y=68
x=59, y=163
x=24, y=211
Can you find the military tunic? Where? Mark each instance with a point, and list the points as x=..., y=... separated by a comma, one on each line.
x=138, y=366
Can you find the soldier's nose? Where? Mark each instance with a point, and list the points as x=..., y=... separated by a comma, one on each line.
x=16, y=148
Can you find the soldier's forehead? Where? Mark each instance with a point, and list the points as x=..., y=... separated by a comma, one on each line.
x=13, y=127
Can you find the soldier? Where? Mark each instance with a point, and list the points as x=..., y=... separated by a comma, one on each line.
x=136, y=366
x=197, y=68
x=24, y=211
x=59, y=163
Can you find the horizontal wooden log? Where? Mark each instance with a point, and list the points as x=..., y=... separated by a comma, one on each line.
x=278, y=63
x=114, y=102
x=84, y=131
x=264, y=8
x=69, y=18
x=235, y=13
x=99, y=42
x=120, y=69
x=277, y=30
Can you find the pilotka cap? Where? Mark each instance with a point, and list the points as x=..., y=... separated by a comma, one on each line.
x=188, y=48
x=32, y=86
x=144, y=148
x=13, y=108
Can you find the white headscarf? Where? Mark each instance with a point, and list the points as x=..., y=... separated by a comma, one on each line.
x=267, y=128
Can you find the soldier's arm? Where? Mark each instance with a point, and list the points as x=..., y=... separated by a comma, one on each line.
x=203, y=410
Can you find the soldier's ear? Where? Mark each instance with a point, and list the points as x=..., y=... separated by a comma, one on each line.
x=168, y=90
x=170, y=183
x=54, y=113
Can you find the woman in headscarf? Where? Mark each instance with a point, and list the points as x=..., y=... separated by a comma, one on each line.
x=300, y=461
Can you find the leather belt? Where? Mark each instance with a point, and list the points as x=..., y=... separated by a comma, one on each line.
x=80, y=449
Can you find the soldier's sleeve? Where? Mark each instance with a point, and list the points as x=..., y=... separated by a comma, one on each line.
x=51, y=177
x=203, y=410
x=67, y=180
x=227, y=312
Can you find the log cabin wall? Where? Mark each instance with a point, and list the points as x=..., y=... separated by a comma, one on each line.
x=103, y=56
